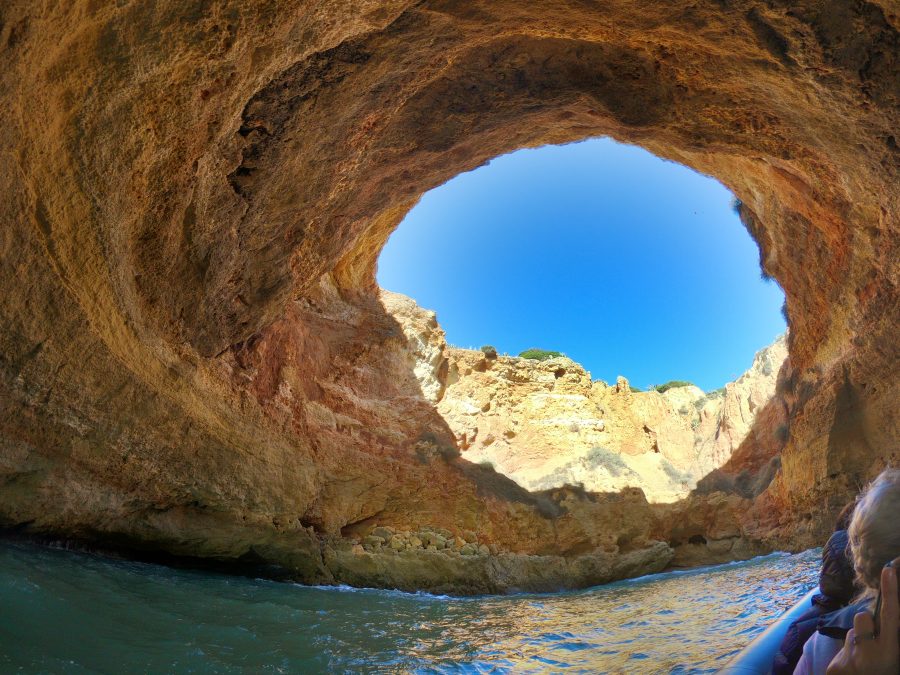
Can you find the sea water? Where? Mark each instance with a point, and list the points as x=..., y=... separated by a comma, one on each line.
x=63, y=611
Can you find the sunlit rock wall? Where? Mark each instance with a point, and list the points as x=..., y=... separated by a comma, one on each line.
x=546, y=423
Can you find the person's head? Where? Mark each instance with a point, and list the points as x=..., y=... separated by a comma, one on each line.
x=874, y=529
x=843, y=519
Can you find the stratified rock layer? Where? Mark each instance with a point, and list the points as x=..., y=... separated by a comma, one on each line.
x=193, y=356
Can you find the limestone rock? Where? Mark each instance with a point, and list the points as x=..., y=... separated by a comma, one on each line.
x=568, y=429
x=373, y=543
x=473, y=573
x=193, y=354
x=434, y=539
x=725, y=420
x=426, y=344
x=708, y=529
x=385, y=533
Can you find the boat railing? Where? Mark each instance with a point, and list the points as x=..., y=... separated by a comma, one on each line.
x=757, y=657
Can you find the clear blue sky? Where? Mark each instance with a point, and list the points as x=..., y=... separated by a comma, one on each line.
x=627, y=263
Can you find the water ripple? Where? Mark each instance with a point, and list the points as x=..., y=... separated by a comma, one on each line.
x=73, y=612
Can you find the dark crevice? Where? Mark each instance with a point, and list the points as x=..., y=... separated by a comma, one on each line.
x=250, y=564
x=773, y=41
x=274, y=106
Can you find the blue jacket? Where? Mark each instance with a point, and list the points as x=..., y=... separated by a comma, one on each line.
x=836, y=576
x=836, y=584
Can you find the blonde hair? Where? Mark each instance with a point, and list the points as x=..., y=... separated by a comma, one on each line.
x=875, y=529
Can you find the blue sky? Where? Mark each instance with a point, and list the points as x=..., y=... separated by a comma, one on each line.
x=627, y=263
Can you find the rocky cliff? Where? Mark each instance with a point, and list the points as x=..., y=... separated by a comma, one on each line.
x=193, y=355
x=547, y=423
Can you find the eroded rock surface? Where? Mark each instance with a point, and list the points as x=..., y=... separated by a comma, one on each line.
x=193, y=357
x=546, y=423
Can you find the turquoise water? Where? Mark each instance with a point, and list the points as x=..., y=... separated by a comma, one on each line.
x=70, y=612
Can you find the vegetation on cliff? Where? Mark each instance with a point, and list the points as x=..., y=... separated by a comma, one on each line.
x=671, y=384
x=539, y=354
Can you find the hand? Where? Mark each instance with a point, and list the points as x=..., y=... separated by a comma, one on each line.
x=863, y=652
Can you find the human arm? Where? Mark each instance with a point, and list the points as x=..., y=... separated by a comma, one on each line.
x=863, y=651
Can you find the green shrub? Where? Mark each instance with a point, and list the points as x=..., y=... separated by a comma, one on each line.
x=672, y=384
x=609, y=460
x=559, y=476
x=487, y=464
x=489, y=351
x=596, y=458
x=539, y=354
x=633, y=388
x=674, y=474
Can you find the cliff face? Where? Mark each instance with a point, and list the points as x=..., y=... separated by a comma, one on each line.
x=546, y=423
x=724, y=420
x=193, y=356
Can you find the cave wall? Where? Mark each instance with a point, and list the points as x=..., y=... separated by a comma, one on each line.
x=192, y=354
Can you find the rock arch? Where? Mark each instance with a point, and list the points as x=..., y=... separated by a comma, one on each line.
x=194, y=358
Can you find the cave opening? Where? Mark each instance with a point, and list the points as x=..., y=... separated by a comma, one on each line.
x=625, y=263
x=192, y=327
